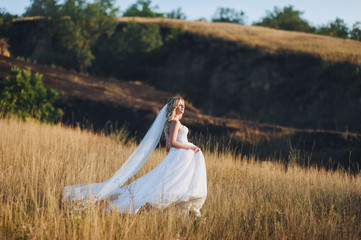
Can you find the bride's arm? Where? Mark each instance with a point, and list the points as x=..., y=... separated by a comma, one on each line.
x=173, y=133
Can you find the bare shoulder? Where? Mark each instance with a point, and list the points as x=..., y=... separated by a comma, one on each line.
x=175, y=125
x=175, y=122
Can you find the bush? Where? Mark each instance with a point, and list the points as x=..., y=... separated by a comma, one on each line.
x=141, y=8
x=287, y=19
x=24, y=94
x=337, y=28
x=5, y=23
x=228, y=15
x=355, y=32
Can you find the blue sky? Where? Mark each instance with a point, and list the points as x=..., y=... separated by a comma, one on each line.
x=317, y=12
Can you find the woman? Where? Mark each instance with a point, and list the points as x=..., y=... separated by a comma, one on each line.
x=180, y=178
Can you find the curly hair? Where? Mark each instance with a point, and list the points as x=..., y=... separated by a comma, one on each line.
x=172, y=103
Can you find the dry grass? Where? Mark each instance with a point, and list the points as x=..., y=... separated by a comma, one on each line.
x=270, y=40
x=4, y=47
x=246, y=199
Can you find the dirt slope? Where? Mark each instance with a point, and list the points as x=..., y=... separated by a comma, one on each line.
x=133, y=95
x=98, y=102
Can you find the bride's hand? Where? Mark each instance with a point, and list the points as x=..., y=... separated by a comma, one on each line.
x=195, y=149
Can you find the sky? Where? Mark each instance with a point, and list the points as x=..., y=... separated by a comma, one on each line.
x=316, y=12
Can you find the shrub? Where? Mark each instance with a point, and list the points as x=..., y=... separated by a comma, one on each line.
x=337, y=28
x=287, y=18
x=228, y=15
x=24, y=94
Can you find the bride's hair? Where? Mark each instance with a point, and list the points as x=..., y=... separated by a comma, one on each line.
x=172, y=104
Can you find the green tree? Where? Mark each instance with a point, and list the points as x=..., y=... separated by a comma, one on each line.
x=42, y=8
x=176, y=14
x=82, y=24
x=337, y=28
x=24, y=94
x=141, y=8
x=228, y=15
x=5, y=23
x=126, y=53
x=74, y=27
x=135, y=38
x=355, y=33
x=286, y=19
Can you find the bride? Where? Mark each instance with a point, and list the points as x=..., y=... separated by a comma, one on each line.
x=180, y=178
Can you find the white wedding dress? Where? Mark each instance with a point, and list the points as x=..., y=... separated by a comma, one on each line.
x=179, y=178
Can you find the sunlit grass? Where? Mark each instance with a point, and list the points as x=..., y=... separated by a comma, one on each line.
x=246, y=199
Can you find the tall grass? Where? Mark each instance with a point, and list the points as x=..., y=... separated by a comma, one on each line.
x=246, y=199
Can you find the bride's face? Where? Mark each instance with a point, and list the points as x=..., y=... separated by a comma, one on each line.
x=180, y=108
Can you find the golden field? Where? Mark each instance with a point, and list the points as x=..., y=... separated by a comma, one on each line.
x=246, y=199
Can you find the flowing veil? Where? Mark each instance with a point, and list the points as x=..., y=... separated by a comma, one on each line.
x=98, y=191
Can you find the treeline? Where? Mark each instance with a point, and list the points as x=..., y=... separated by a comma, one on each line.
x=74, y=27
x=286, y=18
x=290, y=19
x=84, y=37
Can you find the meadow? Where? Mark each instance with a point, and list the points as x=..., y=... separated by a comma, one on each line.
x=247, y=199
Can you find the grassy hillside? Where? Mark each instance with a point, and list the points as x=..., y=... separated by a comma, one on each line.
x=246, y=199
x=253, y=73
x=268, y=39
x=227, y=70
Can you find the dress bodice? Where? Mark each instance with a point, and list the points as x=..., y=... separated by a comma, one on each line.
x=182, y=135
